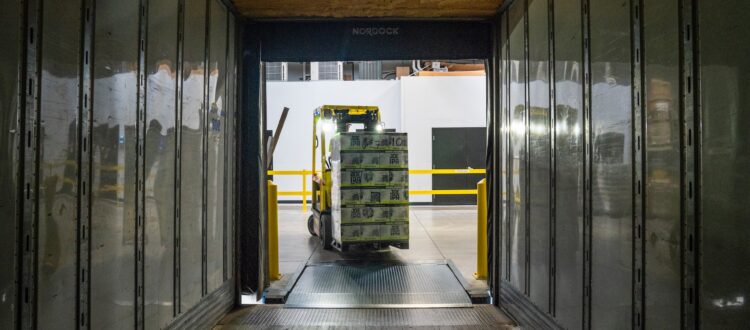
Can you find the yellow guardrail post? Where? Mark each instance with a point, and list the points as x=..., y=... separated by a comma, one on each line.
x=304, y=191
x=481, y=230
x=273, y=232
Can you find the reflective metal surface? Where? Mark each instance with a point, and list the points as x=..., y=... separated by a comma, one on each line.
x=517, y=108
x=191, y=153
x=84, y=238
x=720, y=190
x=493, y=166
x=725, y=109
x=384, y=285
x=662, y=172
x=58, y=166
x=10, y=57
x=539, y=154
x=643, y=271
x=215, y=152
x=569, y=160
x=230, y=185
x=159, y=171
x=505, y=145
x=611, y=282
x=113, y=165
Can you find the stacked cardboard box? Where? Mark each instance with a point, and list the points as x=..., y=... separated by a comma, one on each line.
x=370, y=188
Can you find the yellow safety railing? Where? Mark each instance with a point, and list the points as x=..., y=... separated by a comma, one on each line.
x=481, y=192
x=450, y=171
x=304, y=193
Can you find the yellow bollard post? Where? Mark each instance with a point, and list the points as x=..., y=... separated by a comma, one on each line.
x=304, y=191
x=273, y=231
x=481, y=230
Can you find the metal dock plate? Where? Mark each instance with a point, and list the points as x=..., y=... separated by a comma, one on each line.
x=388, y=285
x=277, y=317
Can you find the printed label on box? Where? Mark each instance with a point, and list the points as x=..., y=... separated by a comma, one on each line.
x=395, y=231
x=375, y=159
x=351, y=233
x=366, y=177
x=363, y=213
x=373, y=141
x=353, y=196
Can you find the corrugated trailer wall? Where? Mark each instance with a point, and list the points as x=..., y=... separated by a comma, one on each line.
x=118, y=143
x=10, y=102
x=724, y=109
x=620, y=158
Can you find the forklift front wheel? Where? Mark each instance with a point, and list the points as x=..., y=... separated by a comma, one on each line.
x=326, y=234
x=311, y=225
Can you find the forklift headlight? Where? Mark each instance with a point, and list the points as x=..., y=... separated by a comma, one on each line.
x=327, y=126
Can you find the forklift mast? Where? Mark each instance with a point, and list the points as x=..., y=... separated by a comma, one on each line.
x=332, y=119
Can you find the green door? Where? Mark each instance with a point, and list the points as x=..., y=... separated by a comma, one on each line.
x=457, y=148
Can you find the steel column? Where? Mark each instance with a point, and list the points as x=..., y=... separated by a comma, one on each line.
x=140, y=206
x=84, y=165
x=552, y=158
x=30, y=86
x=690, y=135
x=526, y=152
x=204, y=174
x=177, y=298
x=639, y=163
x=587, y=164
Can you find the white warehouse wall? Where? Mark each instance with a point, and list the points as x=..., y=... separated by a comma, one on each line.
x=413, y=104
x=427, y=102
x=294, y=149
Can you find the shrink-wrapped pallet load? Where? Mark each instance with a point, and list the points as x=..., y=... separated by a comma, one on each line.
x=370, y=188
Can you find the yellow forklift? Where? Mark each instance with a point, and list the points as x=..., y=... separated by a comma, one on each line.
x=328, y=120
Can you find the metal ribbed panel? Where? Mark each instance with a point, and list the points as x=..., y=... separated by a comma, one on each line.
x=329, y=71
x=479, y=317
x=274, y=71
x=378, y=286
x=370, y=70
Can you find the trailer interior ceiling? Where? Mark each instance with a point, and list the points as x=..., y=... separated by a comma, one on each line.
x=367, y=8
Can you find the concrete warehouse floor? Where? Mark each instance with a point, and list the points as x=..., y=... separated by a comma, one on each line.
x=436, y=233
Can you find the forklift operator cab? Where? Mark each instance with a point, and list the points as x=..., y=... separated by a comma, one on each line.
x=329, y=120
